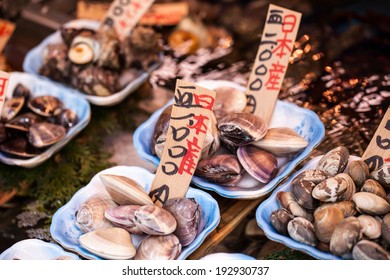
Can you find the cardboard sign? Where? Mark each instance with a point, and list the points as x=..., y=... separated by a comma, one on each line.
x=124, y=15
x=4, y=78
x=378, y=151
x=190, y=117
x=165, y=14
x=6, y=30
x=272, y=59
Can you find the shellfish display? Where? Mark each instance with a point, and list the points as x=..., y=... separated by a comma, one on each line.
x=339, y=206
x=30, y=125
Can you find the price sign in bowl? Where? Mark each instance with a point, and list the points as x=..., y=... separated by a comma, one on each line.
x=305, y=122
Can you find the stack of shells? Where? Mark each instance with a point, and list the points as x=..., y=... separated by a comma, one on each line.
x=108, y=222
x=339, y=207
x=238, y=146
x=29, y=125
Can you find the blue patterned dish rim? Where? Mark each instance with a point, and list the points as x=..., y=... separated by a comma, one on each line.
x=33, y=62
x=70, y=99
x=228, y=256
x=35, y=249
x=64, y=230
x=271, y=204
x=305, y=122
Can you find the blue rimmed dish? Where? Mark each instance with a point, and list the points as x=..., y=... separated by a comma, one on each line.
x=64, y=230
x=228, y=256
x=70, y=99
x=305, y=122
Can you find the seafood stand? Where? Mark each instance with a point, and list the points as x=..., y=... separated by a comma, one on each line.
x=90, y=126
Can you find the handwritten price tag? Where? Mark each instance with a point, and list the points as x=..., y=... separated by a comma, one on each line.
x=378, y=151
x=190, y=117
x=123, y=15
x=272, y=59
x=4, y=78
x=6, y=30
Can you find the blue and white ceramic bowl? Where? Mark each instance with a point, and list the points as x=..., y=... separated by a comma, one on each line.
x=64, y=230
x=71, y=100
x=305, y=122
x=265, y=209
x=35, y=249
x=33, y=62
x=228, y=256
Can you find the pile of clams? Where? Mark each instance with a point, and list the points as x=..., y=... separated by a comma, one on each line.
x=238, y=146
x=339, y=207
x=29, y=125
x=96, y=62
x=110, y=223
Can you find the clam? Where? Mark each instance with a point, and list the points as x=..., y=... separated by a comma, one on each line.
x=46, y=105
x=20, y=147
x=239, y=129
x=160, y=144
x=302, y=230
x=322, y=246
x=347, y=207
x=84, y=49
x=67, y=118
x=224, y=169
x=334, y=161
x=332, y=189
x=90, y=215
x=211, y=141
x=287, y=201
x=259, y=164
x=386, y=229
x=371, y=227
x=162, y=247
x=313, y=175
x=325, y=222
x=370, y=203
x=358, y=171
x=21, y=91
x=282, y=141
x=45, y=134
x=369, y=250
x=154, y=220
x=12, y=107
x=109, y=243
x=302, y=190
x=351, y=188
x=188, y=215
x=124, y=190
x=279, y=220
x=23, y=122
x=382, y=175
x=123, y=216
x=374, y=187
x=346, y=234
x=228, y=100
x=161, y=127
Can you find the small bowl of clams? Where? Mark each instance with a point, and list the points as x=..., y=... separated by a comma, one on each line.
x=38, y=119
x=333, y=208
x=242, y=156
x=113, y=217
x=93, y=61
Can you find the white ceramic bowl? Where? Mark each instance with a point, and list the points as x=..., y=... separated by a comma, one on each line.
x=64, y=230
x=71, y=100
x=305, y=122
x=33, y=62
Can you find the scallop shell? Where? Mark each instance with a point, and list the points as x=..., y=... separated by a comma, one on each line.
x=287, y=201
x=302, y=230
x=282, y=141
x=382, y=175
x=334, y=161
x=154, y=220
x=109, y=243
x=301, y=189
x=369, y=250
x=90, y=215
x=161, y=247
x=325, y=222
x=370, y=203
x=124, y=190
x=372, y=186
x=279, y=220
x=346, y=234
x=358, y=171
x=123, y=217
x=371, y=227
x=228, y=100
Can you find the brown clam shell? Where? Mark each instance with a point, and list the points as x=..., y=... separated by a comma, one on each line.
x=334, y=161
x=228, y=100
x=154, y=220
x=332, y=189
x=301, y=189
x=260, y=164
x=282, y=141
x=358, y=171
x=382, y=175
x=45, y=105
x=239, y=129
x=123, y=216
x=370, y=203
x=222, y=169
x=371, y=227
x=23, y=122
x=347, y=207
x=374, y=187
x=161, y=126
x=45, y=134
x=19, y=147
x=346, y=234
x=11, y=108
x=287, y=201
x=279, y=220
x=313, y=175
x=369, y=250
x=161, y=247
x=325, y=222
x=351, y=188
x=302, y=230
x=386, y=229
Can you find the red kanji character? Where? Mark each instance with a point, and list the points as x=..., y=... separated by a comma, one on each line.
x=288, y=26
x=274, y=76
x=204, y=100
x=3, y=83
x=188, y=163
x=289, y=21
x=199, y=125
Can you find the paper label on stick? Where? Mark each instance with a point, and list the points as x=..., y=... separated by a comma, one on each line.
x=165, y=14
x=277, y=41
x=188, y=125
x=4, y=78
x=378, y=151
x=6, y=30
x=124, y=15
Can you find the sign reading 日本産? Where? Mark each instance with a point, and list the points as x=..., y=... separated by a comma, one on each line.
x=272, y=59
x=190, y=118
